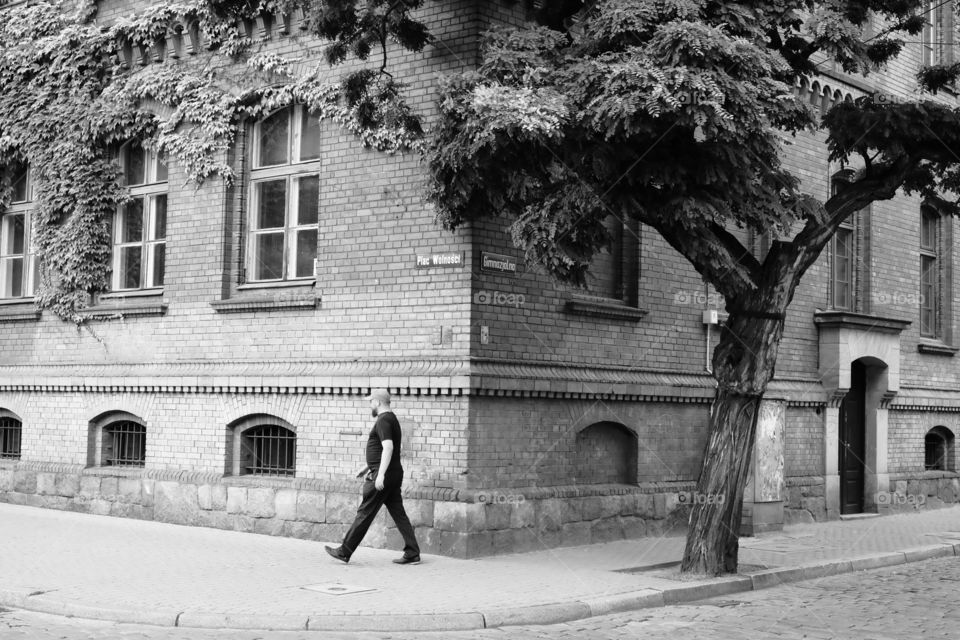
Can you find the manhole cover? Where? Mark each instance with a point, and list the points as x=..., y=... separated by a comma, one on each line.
x=337, y=589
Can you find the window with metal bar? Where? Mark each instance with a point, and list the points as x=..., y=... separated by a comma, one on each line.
x=269, y=450
x=125, y=444
x=938, y=449
x=10, y=430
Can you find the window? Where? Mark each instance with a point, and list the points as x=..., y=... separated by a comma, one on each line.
x=262, y=445
x=938, y=450
x=614, y=272
x=124, y=444
x=936, y=40
x=10, y=431
x=270, y=450
x=19, y=267
x=284, y=197
x=846, y=268
x=929, y=272
x=140, y=225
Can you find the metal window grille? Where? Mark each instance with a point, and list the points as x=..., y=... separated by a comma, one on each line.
x=127, y=444
x=935, y=450
x=10, y=438
x=271, y=450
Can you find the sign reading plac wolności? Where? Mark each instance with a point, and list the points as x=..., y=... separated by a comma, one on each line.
x=438, y=260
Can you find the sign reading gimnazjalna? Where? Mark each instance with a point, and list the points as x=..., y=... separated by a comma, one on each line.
x=497, y=262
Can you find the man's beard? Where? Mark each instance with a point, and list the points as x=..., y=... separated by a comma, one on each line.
x=373, y=412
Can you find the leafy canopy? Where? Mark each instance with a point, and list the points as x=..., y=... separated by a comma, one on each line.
x=675, y=112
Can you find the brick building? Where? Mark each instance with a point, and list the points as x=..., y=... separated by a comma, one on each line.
x=219, y=383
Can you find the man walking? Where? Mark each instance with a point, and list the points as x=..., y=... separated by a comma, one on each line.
x=384, y=477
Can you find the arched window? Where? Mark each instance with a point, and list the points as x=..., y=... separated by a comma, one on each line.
x=11, y=429
x=284, y=196
x=117, y=439
x=606, y=453
x=124, y=444
x=938, y=450
x=262, y=445
x=19, y=267
x=140, y=225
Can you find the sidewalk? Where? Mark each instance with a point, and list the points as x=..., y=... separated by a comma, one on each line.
x=135, y=571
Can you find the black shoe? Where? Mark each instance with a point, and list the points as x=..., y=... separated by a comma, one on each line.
x=338, y=554
x=406, y=560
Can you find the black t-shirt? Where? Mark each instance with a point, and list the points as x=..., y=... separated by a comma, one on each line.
x=387, y=427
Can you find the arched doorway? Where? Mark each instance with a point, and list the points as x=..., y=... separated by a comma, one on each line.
x=853, y=441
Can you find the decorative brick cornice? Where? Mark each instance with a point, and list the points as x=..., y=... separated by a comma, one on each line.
x=926, y=400
x=452, y=377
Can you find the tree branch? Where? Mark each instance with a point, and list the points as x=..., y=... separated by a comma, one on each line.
x=714, y=252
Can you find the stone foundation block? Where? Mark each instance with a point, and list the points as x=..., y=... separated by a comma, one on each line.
x=212, y=497
x=24, y=481
x=341, y=508
x=285, y=504
x=176, y=503
x=260, y=502
x=46, y=484
x=130, y=490
x=236, y=499
x=460, y=516
x=89, y=486
x=311, y=506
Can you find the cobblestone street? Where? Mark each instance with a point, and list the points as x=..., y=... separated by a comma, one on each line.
x=910, y=601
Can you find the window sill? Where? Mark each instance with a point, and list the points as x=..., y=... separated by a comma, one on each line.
x=608, y=308
x=127, y=295
x=120, y=306
x=937, y=349
x=117, y=472
x=259, y=481
x=279, y=284
x=19, y=310
x=272, y=296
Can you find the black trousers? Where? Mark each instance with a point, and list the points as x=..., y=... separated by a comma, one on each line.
x=372, y=501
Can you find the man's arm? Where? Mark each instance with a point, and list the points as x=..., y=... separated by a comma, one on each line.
x=385, y=458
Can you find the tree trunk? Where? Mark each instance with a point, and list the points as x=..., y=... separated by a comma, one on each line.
x=743, y=366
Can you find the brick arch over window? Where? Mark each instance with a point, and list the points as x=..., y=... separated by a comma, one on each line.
x=11, y=429
x=117, y=438
x=938, y=450
x=261, y=444
x=606, y=452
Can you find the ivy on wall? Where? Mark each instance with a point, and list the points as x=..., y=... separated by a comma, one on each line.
x=69, y=96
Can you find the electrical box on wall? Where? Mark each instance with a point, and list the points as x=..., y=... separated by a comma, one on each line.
x=711, y=316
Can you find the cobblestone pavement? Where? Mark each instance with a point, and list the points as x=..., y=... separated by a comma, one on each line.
x=910, y=601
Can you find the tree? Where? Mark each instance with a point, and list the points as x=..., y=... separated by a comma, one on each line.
x=671, y=112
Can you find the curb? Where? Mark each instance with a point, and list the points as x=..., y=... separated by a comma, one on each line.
x=545, y=614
